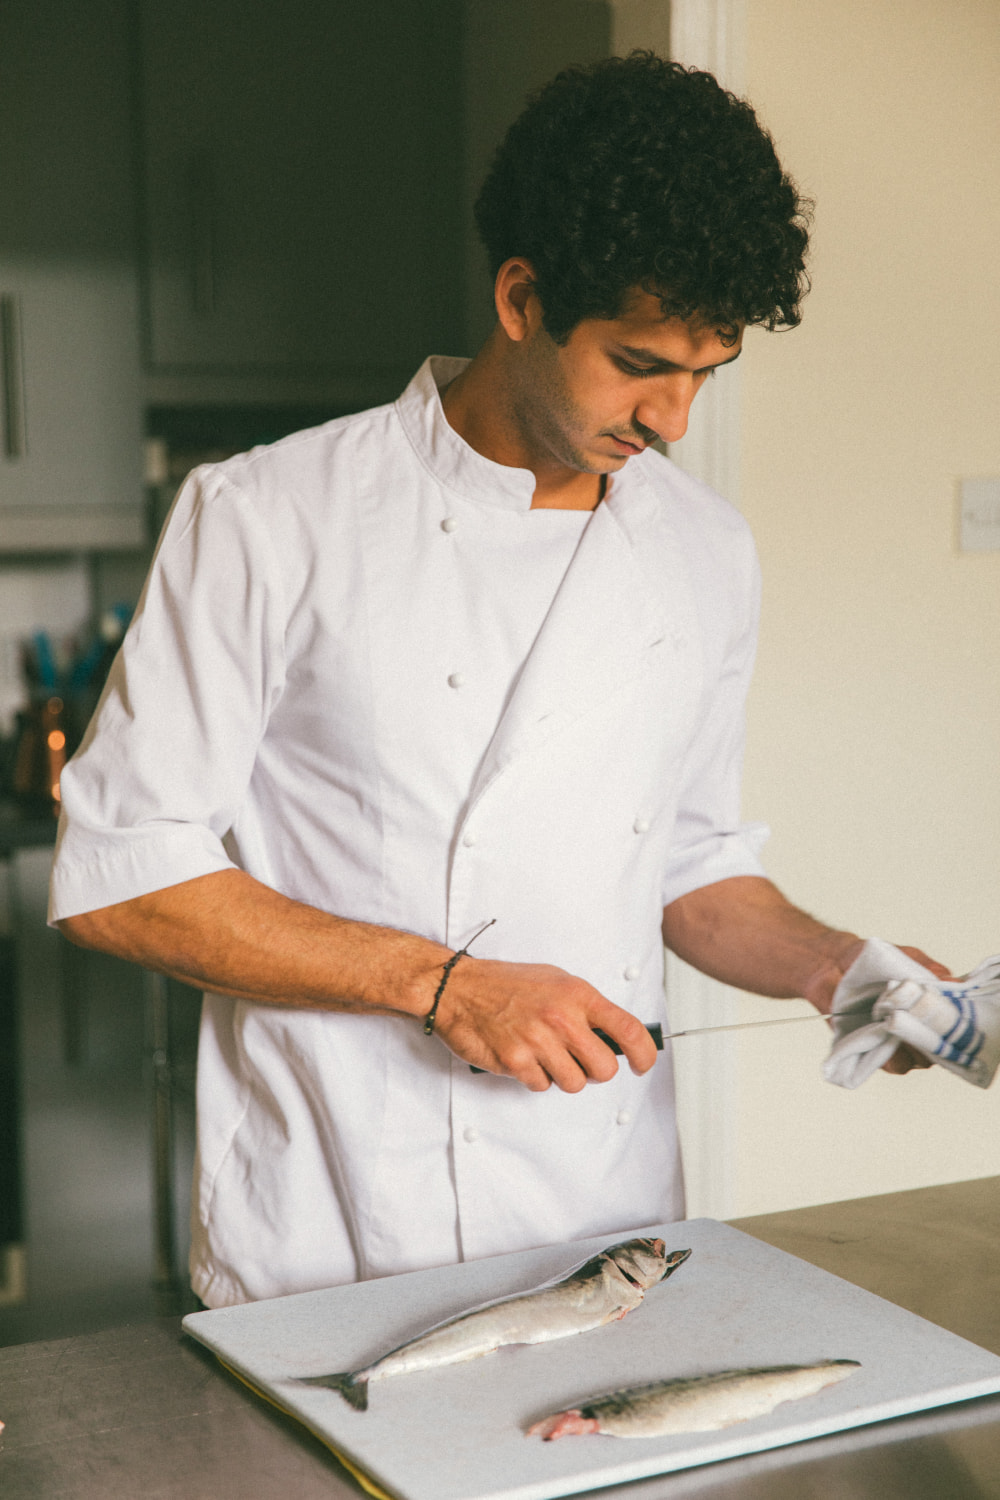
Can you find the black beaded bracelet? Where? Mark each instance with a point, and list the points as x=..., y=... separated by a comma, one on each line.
x=431, y=1015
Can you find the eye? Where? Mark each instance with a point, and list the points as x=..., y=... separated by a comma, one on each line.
x=629, y=368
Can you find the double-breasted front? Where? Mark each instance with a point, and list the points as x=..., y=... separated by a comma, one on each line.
x=365, y=671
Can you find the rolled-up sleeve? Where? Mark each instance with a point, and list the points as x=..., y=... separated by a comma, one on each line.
x=710, y=842
x=153, y=790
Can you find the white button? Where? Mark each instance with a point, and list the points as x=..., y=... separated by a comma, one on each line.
x=449, y=523
x=456, y=679
x=469, y=838
x=633, y=971
x=623, y=1117
x=470, y=1134
x=641, y=825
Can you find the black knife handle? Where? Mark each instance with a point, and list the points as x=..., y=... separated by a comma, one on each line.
x=654, y=1028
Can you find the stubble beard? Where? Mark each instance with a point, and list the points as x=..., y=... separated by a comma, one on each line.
x=551, y=419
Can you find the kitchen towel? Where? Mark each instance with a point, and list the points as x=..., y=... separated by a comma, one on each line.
x=886, y=998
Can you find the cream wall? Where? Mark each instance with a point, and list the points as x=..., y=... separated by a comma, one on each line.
x=874, y=730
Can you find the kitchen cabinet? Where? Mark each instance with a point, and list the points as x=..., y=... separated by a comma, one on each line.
x=301, y=193
x=70, y=445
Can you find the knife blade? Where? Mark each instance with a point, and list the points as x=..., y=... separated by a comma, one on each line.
x=659, y=1036
x=745, y=1025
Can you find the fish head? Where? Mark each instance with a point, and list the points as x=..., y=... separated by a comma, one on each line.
x=645, y=1262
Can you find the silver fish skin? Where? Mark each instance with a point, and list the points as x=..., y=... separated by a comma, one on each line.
x=604, y=1289
x=699, y=1403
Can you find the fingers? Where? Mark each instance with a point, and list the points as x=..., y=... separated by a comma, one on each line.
x=540, y=1063
x=631, y=1035
x=537, y=1024
x=571, y=1055
x=904, y=1059
x=938, y=970
x=553, y=1050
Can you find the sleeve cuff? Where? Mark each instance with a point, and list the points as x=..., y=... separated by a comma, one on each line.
x=720, y=857
x=136, y=862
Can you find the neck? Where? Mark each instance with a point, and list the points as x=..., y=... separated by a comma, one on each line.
x=477, y=405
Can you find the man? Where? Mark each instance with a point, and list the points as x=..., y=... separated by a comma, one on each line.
x=476, y=657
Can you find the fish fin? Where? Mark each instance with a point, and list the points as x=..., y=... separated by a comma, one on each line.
x=354, y=1391
x=588, y=1271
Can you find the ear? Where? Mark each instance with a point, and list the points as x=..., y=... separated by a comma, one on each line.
x=518, y=308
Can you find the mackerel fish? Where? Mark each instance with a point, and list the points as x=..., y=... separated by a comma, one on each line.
x=599, y=1291
x=699, y=1403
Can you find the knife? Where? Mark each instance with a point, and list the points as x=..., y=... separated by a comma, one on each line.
x=656, y=1032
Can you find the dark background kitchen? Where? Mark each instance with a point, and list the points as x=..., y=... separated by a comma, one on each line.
x=220, y=220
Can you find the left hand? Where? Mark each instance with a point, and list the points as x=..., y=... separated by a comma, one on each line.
x=824, y=982
x=904, y=1058
x=744, y=932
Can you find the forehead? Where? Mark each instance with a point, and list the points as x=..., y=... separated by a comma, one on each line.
x=685, y=341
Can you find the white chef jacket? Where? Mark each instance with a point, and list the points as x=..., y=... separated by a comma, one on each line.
x=292, y=698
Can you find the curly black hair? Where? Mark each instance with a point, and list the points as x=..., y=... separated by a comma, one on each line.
x=637, y=172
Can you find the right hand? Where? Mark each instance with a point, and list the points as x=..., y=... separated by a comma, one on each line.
x=536, y=1023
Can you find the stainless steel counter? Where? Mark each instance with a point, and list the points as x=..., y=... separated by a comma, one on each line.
x=143, y=1411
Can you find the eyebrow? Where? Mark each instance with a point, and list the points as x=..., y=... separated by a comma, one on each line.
x=647, y=356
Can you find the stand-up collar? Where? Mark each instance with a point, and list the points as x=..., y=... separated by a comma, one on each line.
x=457, y=465
x=449, y=457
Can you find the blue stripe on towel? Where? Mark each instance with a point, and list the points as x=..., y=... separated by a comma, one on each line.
x=964, y=1047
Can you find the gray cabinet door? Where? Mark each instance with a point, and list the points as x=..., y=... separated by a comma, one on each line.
x=302, y=180
x=69, y=379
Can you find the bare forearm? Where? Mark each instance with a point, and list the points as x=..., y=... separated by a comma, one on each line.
x=229, y=933
x=744, y=932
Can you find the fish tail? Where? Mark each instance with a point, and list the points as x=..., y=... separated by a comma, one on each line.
x=353, y=1389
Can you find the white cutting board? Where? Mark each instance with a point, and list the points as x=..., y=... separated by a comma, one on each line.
x=458, y=1433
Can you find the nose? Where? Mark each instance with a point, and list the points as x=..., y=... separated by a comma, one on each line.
x=664, y=410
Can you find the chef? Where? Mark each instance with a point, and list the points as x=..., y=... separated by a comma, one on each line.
x=427, y=733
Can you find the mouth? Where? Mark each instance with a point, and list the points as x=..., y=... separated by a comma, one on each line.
x=624, y=446
x=636, y=1274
